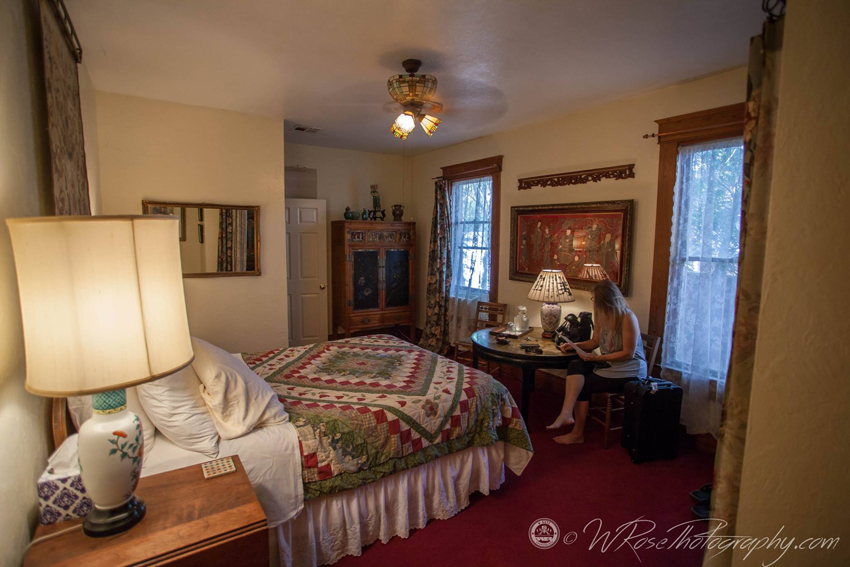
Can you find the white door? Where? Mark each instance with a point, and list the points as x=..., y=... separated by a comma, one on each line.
x=307, y=270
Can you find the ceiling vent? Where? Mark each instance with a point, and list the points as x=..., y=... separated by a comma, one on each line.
x=307, y=129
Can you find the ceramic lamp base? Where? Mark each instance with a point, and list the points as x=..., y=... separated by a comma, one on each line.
x=110, y=448
x=550, y=316
x=102, y=523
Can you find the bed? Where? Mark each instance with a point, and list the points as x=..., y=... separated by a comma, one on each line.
x=383, y=436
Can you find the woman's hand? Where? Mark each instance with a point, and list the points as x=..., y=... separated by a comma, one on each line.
x=566, y=347
x=587, y=356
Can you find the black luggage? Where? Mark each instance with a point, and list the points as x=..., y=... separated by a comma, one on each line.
x=651, y=420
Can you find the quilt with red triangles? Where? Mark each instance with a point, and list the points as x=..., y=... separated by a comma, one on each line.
x=367, y=407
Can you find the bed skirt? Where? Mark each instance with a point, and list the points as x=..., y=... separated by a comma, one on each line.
x=336, y=525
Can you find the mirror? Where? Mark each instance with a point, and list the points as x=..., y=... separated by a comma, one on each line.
x=215, y=240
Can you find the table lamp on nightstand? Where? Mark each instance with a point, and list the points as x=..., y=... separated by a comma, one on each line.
x=552, y=289
x=103, y=309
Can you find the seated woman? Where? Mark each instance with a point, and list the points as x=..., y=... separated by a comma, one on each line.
x=617, y=335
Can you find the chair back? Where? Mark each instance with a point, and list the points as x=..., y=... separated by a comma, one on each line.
x=651, y=345
x=494, y=314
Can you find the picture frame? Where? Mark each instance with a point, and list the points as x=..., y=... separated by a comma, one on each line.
x=567, y=236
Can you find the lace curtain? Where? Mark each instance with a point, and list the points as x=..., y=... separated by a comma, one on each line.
x=703, y=278
x=472, y=206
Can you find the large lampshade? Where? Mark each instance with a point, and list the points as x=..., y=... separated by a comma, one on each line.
x=593, y=272
x=101, y=300
x=551, y=287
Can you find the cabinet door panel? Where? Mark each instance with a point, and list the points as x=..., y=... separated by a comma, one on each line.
x=365, y=275
x=397, y=278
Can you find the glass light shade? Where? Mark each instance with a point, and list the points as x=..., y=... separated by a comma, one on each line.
x=405, y=122
x=411, y=87
x=429, y=123
x=101, y=301
x=593, y=272
x=551, y=287
x=398, y=132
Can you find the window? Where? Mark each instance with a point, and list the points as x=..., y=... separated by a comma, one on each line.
x=475, y=196
x=704, y=251
x=472, y=210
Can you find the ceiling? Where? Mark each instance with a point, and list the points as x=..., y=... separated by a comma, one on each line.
x=325, y=63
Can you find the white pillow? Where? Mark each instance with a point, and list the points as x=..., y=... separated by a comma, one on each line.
x=175, y=406
x=238, y=399
x=81, y=410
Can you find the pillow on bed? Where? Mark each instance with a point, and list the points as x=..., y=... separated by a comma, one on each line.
x=238, y=399
x=81, y=410
x=175, y=406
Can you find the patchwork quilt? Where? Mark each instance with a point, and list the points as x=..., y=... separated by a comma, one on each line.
x=367, y=407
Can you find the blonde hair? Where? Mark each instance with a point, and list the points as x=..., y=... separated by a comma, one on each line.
x=608, y=299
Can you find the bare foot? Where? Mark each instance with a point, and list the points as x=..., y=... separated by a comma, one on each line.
x=562, y=421
x=570, y=439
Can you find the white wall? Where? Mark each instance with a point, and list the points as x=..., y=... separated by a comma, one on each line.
x=797, y=454
x=343, y=179
x=174, y=152
x=24, y=420
x=89, y=114
x=605, y=135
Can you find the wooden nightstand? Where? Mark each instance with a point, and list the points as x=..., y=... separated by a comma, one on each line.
x=190, y=521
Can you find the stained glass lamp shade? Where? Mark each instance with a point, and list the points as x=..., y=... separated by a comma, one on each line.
x=593, y=272
x=398, y=132
x=411, y=87
x=429, y=123
x=405, y=121
x=552, y=289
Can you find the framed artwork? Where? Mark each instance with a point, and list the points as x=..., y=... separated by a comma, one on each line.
x=566, y=237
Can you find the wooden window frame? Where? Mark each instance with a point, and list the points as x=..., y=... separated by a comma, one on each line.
x=674, y=132
x=491, y=166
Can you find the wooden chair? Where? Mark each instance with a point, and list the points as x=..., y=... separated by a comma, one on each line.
x=494, y=315
x=602, y=413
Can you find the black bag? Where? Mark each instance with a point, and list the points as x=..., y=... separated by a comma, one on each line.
x=651, y=419
x=576, y=328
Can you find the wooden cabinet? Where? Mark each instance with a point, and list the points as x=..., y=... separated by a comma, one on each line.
x=374, y=275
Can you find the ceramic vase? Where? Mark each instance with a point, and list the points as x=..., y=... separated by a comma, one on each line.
x=550, y=316
x=398, y=213
x=110, y=448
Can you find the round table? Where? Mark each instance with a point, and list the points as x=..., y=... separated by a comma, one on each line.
x=484, y=346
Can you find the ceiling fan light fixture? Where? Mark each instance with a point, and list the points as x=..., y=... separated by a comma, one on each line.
x=398, y=132
x=429, y=123
x=411, y=87
x=405, y=122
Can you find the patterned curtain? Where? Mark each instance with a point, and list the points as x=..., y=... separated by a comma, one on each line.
x=435, y=335
x=762, y=103
x=225, y=240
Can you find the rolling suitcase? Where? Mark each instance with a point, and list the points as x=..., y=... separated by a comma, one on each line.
x=651, y=419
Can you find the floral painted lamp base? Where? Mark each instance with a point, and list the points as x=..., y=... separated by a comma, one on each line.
x=111, y=447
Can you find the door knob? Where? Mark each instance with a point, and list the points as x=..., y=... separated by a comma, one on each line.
x=322, y=286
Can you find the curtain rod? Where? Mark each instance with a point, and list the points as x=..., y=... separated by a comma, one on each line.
x=689, y=130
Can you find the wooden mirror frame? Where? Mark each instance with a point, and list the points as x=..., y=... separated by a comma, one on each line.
x=146, y=204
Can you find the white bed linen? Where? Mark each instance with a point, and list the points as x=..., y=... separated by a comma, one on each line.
x=271, y=458
x=336, y=525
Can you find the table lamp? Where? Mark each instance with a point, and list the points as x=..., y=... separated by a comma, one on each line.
x=103, y=309
x=593, y=272
x=552, y=289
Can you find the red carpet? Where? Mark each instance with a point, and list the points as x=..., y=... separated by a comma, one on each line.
x=572, y=486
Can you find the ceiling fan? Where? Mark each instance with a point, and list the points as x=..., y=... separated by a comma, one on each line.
x=413, y=92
